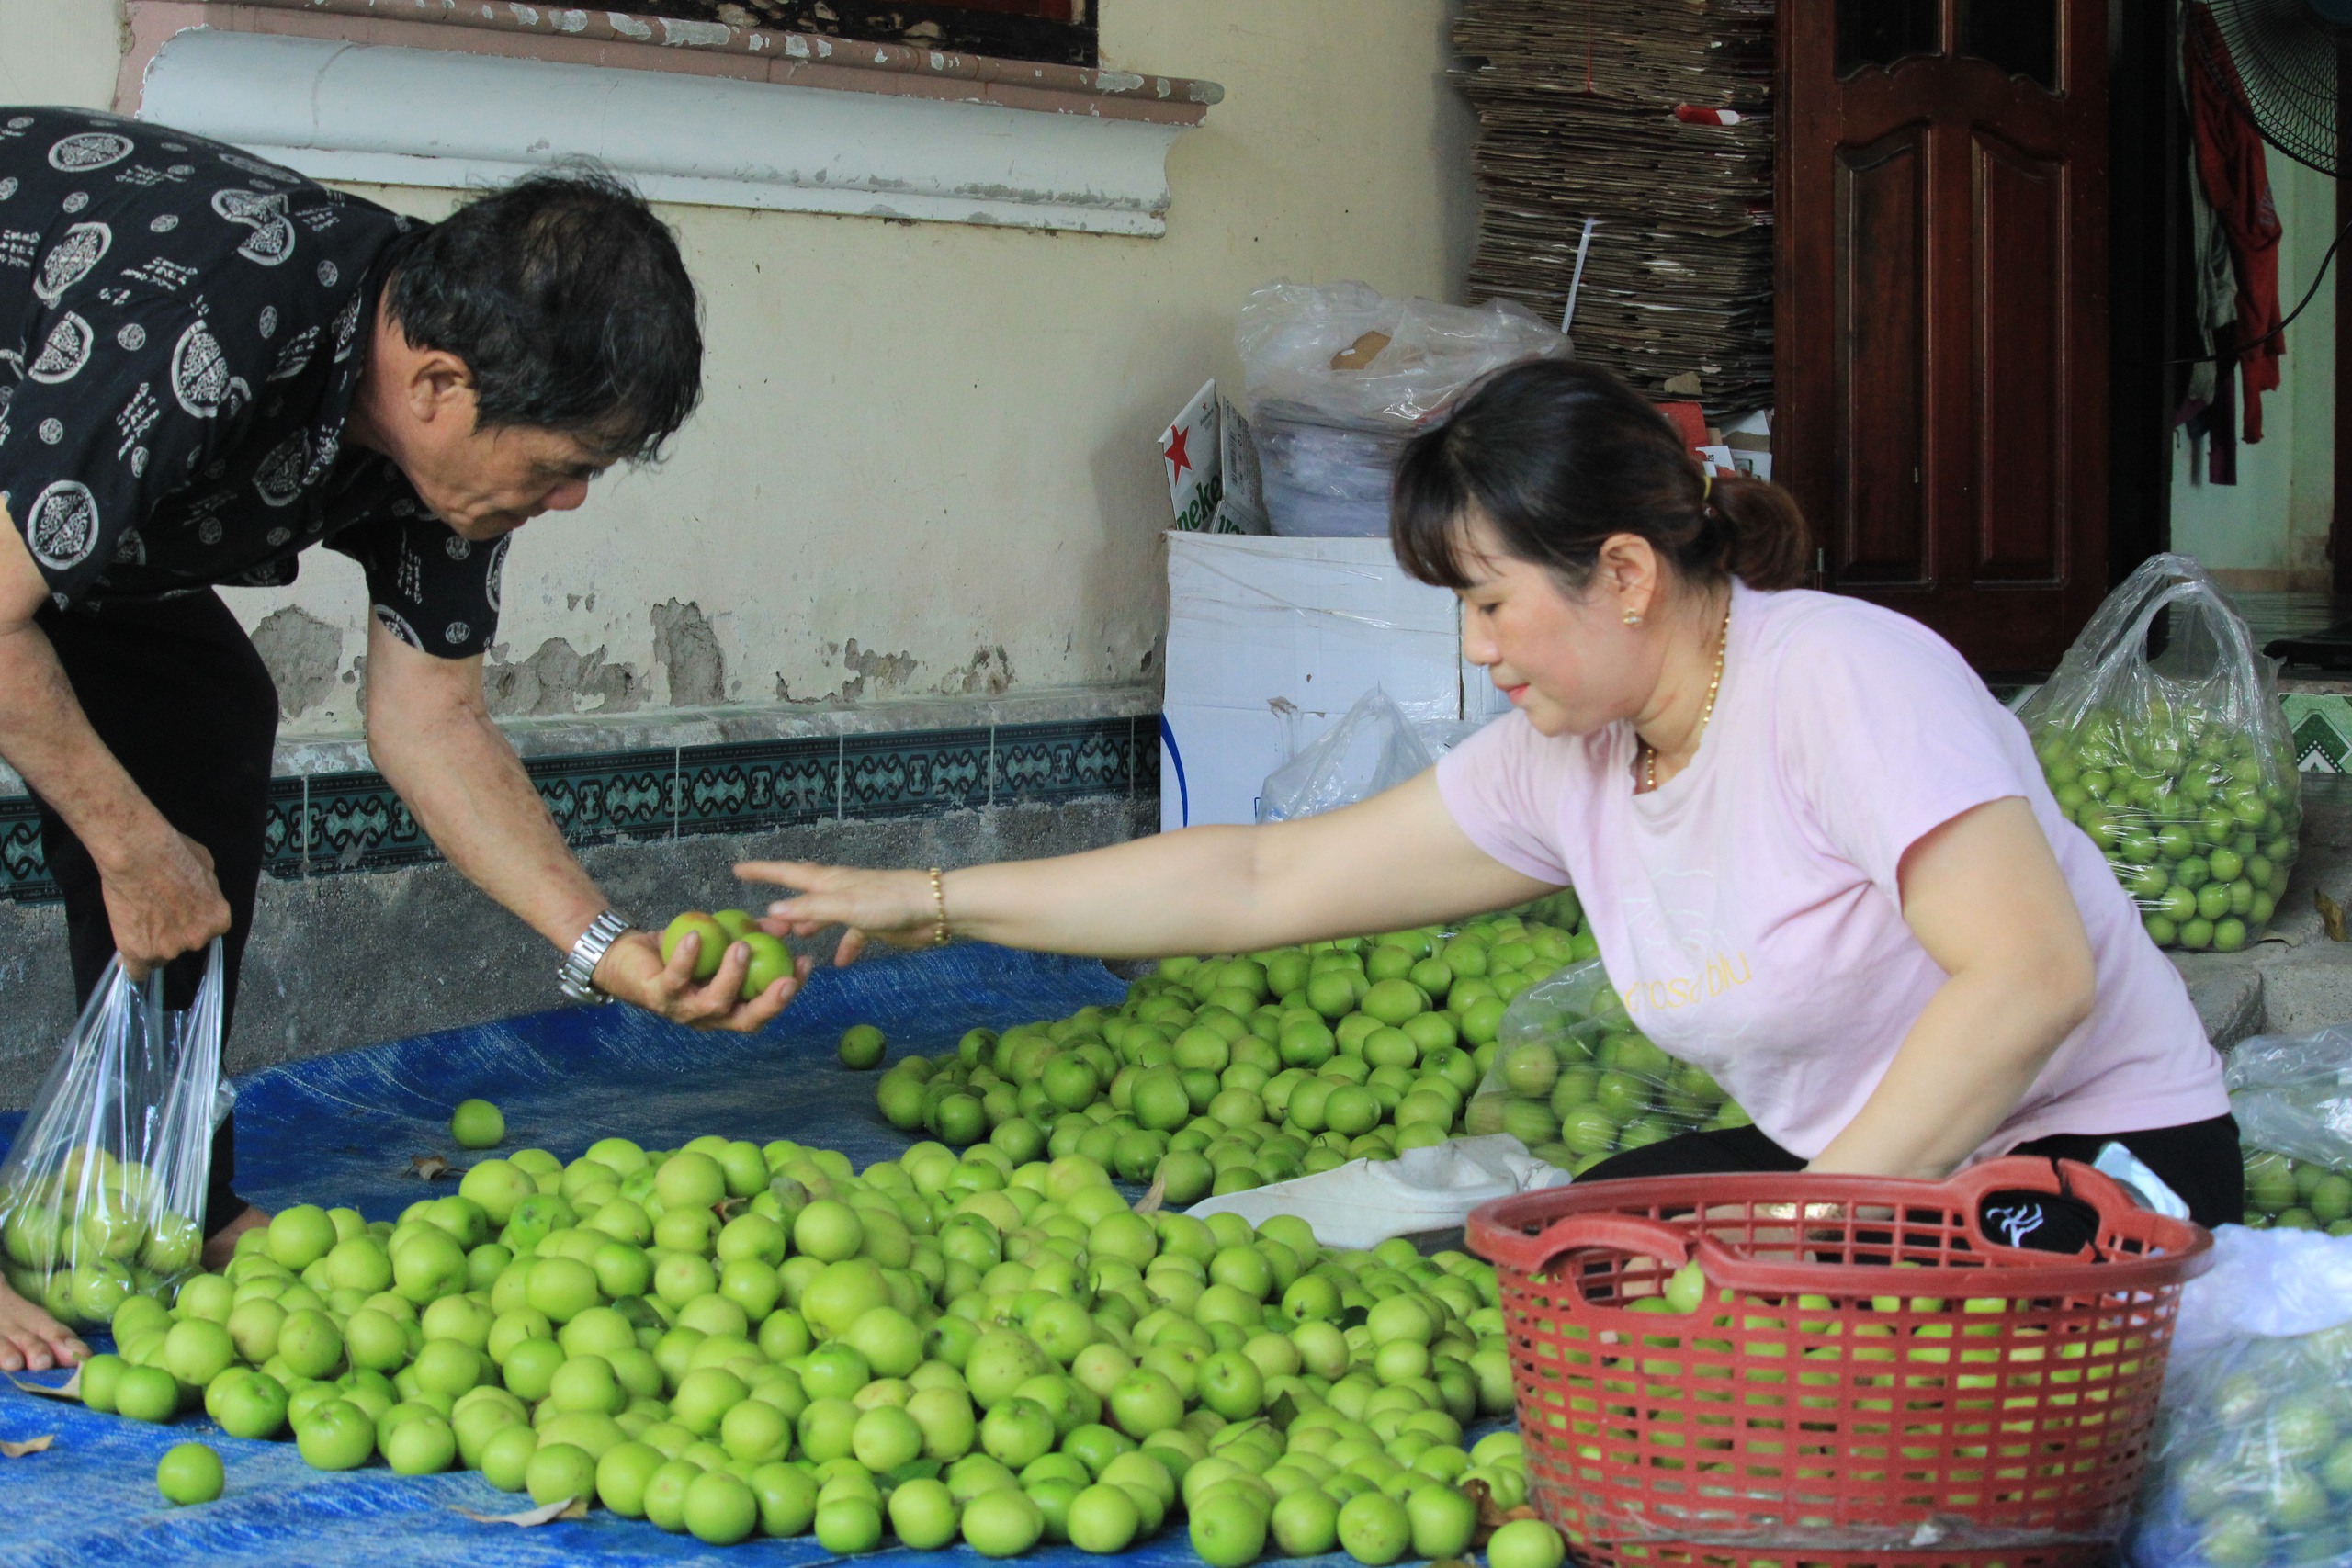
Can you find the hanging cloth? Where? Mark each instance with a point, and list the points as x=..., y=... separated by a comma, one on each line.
x=2233, y=166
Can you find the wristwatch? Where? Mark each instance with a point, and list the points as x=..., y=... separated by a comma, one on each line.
x=576, y=979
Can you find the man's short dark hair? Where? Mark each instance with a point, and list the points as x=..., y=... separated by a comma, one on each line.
x=567, y=299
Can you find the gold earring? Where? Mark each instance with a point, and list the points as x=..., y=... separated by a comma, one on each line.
x=1633, y=617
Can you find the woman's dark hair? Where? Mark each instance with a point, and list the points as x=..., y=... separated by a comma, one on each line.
x=567, y=299
x=1558, y=455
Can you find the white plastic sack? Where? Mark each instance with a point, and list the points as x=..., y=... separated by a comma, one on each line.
x=1328, y=434
x=1375, y=748
x=1288, y=334
x=1364, y=1201
x=2275, y=1284
x=102, y=1195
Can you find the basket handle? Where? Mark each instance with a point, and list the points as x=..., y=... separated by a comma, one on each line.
x=1579, y=1233
x=2038, y=1173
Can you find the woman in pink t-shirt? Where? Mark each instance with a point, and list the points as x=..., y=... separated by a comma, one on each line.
x=1818, y=857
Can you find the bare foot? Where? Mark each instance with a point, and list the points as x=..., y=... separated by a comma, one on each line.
x=32, y=1340
x=221, y=1244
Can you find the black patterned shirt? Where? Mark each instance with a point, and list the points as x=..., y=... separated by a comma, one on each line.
x=182, y=329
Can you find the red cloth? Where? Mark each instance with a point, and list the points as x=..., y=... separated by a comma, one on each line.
x=2235, y=170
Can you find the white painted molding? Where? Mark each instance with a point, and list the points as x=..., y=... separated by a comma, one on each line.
x=447, y=119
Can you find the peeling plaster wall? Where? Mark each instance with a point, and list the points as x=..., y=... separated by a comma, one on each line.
x=925, y=464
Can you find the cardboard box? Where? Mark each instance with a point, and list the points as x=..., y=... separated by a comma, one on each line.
x=1272, y=640
x=1212, y=469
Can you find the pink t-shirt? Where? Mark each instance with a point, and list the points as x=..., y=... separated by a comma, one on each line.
x=1748, y=909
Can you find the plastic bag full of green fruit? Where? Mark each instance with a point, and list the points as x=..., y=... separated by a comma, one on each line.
x=1576, y=1081
x=102, y=1189
x=2292, y=1097
x=2296, y=1194
x=2177, y=763
x=1217, y=1074
x=2252, y=1466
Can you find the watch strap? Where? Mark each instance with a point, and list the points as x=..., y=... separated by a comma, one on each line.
x=576, y=977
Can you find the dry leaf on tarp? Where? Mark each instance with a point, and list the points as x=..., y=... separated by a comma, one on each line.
x=70, y=1388
x=428, y=1167
x=1492, y=1516
x=1153, y=1196
x=29, y=1445
x=569, y=1508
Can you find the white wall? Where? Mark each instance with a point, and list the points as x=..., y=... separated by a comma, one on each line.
x=2269, y=530
x=925, y=463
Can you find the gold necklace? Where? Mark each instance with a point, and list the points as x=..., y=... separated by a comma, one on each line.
x=1649, y=752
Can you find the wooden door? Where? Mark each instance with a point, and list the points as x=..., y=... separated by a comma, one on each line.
x=1941, y=325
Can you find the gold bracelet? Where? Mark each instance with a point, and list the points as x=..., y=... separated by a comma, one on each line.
x=939, y=900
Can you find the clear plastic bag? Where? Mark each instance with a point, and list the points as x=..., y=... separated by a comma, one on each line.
x=1338, y=379
x=2253, y=1461
x=2179, y=766
x=1321, y=479
x=102, y=1196
x=1375, y=748
x=2292, y=1098
x=1574, y=1081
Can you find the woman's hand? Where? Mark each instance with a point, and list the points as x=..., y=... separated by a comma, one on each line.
x=896, y=905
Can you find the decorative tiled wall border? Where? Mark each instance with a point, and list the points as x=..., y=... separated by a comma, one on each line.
x=2322, y=726
x=325, y=824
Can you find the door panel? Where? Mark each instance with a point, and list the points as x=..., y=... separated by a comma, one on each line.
x=1941, y=327
x=1882, y=326
x=2021, y=410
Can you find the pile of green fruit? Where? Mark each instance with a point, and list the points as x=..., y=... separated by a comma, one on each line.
x=1576, y=1082
x=2296, y=1194
x=89, y=1236
x=730, y=1339
x=1217, y=1074
x=2197, y=817
x=2254, y=1458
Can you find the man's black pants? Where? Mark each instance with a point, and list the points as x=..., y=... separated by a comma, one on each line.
x=177, y=694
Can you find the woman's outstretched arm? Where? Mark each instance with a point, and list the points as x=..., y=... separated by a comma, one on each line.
x=1394, y=861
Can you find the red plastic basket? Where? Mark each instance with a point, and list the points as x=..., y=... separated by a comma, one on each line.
x=1898, y=1388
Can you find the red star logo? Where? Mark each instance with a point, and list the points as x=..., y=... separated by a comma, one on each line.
x=1176, y=454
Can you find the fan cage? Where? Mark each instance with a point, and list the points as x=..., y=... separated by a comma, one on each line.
x=2286, y=57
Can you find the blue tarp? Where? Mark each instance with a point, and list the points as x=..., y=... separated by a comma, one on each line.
x=342, y=1129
